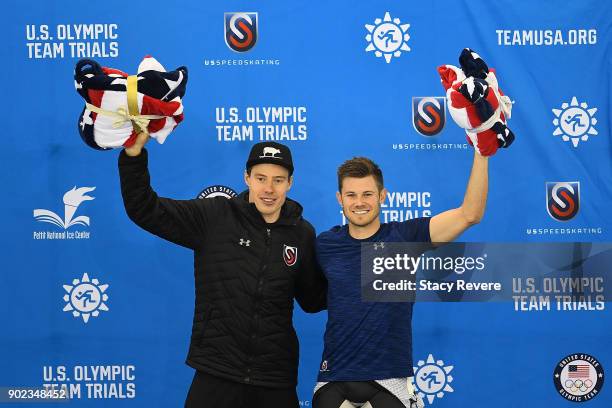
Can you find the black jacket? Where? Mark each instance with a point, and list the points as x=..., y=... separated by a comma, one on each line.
x=245, y=278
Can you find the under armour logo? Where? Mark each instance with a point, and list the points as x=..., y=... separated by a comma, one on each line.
x=380, y=245
x=245, y=242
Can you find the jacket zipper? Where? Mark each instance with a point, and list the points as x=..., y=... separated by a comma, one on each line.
x=247, y=378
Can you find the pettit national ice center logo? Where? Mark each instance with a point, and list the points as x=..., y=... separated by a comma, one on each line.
x=72, y=201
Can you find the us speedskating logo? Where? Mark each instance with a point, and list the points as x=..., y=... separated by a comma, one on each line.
x=428, y=114
x=387, y=37
x=563, y=199
x=241, y=30
x=85, y=297
x=575, y=122
x=578, y=377
x=432, y=379
x=289, y=255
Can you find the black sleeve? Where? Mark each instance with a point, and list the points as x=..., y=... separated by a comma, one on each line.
x=180, y=221
x=311, y=284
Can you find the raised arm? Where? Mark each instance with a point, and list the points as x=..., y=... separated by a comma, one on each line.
x=447, y=226
x=180, y=221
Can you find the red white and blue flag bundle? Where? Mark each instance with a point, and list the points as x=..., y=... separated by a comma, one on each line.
x=476, y=103
x=119, y=106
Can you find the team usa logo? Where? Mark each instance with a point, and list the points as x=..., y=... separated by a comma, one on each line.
x=432, y=379
x=240, y=30
x=563, y=199
x=428, y=114
x=217, y=191
x=85, y=297
x=575, y=122
x=578, y=377
x=387, y=37
x=289, y=255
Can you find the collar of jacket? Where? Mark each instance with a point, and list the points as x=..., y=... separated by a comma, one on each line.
x=291, y=211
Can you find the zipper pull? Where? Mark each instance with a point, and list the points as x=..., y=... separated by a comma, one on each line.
x=267, y=238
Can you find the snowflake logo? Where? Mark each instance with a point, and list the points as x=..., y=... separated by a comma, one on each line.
x=387, y=37
x=432, y=379
x=575, y=122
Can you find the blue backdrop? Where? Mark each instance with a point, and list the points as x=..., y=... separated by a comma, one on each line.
x=553, y=59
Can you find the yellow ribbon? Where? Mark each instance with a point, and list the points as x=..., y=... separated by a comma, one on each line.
x=140, y=122
x=132, y=94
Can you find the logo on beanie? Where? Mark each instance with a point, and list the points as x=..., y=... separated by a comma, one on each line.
x=289, y=255
x=428, y=114
x=241, y=30
x=563, y=199
x=270, y=152
x=217, y=191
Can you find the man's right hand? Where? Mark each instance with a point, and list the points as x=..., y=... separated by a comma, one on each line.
x=136, y=148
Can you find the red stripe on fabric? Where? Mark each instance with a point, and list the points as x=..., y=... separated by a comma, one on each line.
x=156, y=125
x=109, y=71
x=487, y=142
x=95, y=98
x=131, y=140
x=458, y=100
x=447, y=76
x=152, y=106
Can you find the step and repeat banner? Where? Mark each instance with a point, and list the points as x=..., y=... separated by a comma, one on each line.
x=96, y=307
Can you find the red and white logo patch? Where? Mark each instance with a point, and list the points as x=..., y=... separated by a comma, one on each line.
x=289, y=255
